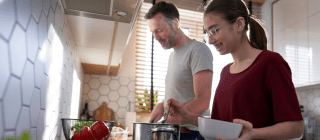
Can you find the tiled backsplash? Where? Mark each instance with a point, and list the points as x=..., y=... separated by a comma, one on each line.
x=40, y=69
x=116, y=91
x=309, y=97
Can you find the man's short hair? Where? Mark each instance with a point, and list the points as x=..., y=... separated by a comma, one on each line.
x=167, y=9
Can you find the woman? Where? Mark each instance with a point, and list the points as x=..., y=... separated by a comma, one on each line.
x=256, y=90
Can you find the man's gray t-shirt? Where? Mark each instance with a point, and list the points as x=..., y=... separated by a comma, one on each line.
x=184, y=62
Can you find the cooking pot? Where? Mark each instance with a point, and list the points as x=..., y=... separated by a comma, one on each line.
x=155, y=131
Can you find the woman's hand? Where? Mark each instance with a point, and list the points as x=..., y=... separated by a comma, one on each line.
x=246, y=131
x=177, y=112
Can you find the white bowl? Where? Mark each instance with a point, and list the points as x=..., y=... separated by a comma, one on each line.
x=211, y=129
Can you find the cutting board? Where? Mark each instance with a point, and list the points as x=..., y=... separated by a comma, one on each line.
x=103, y=113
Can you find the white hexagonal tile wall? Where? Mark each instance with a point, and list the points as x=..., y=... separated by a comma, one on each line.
x=94, y=83
x=1, y=118
x=54, y=4
x=87, y=77
x=104, y=79
x=18, y=50
x=304, y=102
x=38, y=70
x=123, y=102
x=104, y=89
x=94, y=75
x=317, y=111
x=27, y=83
x=24, y=11
x=46, y=6
x=310, y=97
x=131, y=86
x=310, y=107
x=316, y=101
x=32, y=39
x=12, y=103
x=103, y=99
x=114, y=85
x=92, y=105
x=35, y=107
x=115, y=77
x=93, y=94
x=132, y=79
x=33, y=133
x=36, y=8
x=113, y=95
x=316, y=92
x=65, y=110
x=7, y=13
x=113, y=105
x=4, y=69
x=43, y=29
x=46, y=52
x=51, y=30
x=40, y=125
x=58, y=18
x=43, y=91
x=131, y=97
x=123, y=91
x=24, y=121
x=86, y=88
x=124, y=81
x=303, y=94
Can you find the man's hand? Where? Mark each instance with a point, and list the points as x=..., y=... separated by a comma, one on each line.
x=177, y=112
x=157, y=113
x=246, y=131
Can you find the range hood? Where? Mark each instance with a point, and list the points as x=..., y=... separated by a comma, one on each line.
x=101, y=30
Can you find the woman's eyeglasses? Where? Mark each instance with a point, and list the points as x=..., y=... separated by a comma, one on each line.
x=213, y=31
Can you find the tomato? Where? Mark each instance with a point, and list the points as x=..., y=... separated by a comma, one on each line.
x=99, y=130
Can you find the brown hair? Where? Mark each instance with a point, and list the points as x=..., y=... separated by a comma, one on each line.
x=232, y=9
x=168, y=10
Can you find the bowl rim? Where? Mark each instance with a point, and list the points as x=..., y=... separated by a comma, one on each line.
x=219, y=121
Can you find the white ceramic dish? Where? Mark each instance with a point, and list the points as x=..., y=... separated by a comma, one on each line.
x=211, y=129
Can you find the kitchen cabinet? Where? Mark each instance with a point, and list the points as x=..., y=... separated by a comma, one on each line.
x=296, y=36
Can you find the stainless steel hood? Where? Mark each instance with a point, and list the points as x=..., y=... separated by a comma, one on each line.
x=100, y=34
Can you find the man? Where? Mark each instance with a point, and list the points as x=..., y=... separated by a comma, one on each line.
x=189, y=75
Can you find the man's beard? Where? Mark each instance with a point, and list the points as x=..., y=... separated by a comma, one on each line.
x=171, y=40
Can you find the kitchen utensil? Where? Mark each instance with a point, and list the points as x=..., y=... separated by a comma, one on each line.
x=211, y=129
x=155, y=131
x=68, y=123
x=104, y=113
x=166, y=115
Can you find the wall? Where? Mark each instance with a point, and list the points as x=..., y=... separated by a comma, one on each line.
x=40, y=69
x=309, y=96
x=266, y=19
x=117, y=91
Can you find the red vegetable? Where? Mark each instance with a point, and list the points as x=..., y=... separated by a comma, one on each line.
x=99, y=130
x=85, y=134
x=76, y=136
